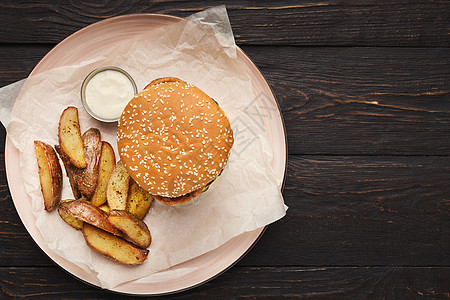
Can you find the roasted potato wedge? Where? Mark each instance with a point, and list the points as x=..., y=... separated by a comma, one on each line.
x=105, y=208
x=69, y=136
x=138, y=201
x=72, y=172
x=69, y=219
x=112, y=246
x=135, y=229
x=87, y=181
x=105, y=167
x=117, y=187
x=50, y=174
x=89, y=213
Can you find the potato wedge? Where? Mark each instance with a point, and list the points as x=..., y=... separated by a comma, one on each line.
x=117, y=187
x=138, y=201
x=69, y=219
x=106, y=166
x=50, y=174
x=112, y=246
x=87, y=181
x=135, y=229
x=89, y=213
x=72, y=172
x=70, y=137
x=105, y=208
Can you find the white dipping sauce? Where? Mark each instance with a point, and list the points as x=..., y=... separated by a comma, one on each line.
x=108, y=92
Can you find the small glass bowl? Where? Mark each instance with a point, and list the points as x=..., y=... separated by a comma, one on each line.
x=89, y=77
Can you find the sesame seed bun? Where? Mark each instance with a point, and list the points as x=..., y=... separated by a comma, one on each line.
x=173, y=139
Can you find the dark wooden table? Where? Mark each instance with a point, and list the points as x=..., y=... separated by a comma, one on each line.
x=364, y=88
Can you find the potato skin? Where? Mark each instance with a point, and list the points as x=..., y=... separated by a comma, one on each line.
x=69, y=136
x=138, y=201
x=105, y=208
x=90, y=214
x=88, y=179
x=106, y=166
x=133, y=228
x=113, y=246
x=50, y=174
x=117, y=188
x=69, y=219
x=72, y=172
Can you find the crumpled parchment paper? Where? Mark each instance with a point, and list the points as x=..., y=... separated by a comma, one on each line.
x=201, y=51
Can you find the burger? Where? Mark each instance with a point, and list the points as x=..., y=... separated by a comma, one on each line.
x=174, y=140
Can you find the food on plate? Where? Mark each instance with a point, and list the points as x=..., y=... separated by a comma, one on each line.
x=179, y=200
x=89, y=213
x=50, y=174
x=69, y=136
x=99, y=185
x=105, y=167
x=113, y=246
x=117, y=187
x=134, y=229
x=173, y=140
x=88, y=178
x=69, y=219
x=72, y=172
x=105, y=208
x=138, y=201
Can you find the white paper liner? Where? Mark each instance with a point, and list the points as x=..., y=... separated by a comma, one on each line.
x=247, y=196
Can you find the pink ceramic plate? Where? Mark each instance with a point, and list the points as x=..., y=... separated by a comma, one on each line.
x=94, y=40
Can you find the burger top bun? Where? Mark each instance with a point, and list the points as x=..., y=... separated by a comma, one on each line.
x=173, y=138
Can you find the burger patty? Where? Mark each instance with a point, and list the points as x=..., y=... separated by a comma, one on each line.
x=178, y=200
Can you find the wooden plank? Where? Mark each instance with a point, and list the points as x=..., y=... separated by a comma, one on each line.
x=366, y=101
x=357, y=101
x=342, y=211
x=357, y=22
x=251, y=282
x=361, y=211
x=17, y=61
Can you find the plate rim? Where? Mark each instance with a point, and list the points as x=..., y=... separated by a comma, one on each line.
x=74, y=35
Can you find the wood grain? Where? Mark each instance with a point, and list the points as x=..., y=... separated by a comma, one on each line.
x=364, y=89
x=343, y=211
x=364, y=211
x=17, y=61
x=365, y=101
x=340, y=101
x=253, y=282
x=329, y=22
